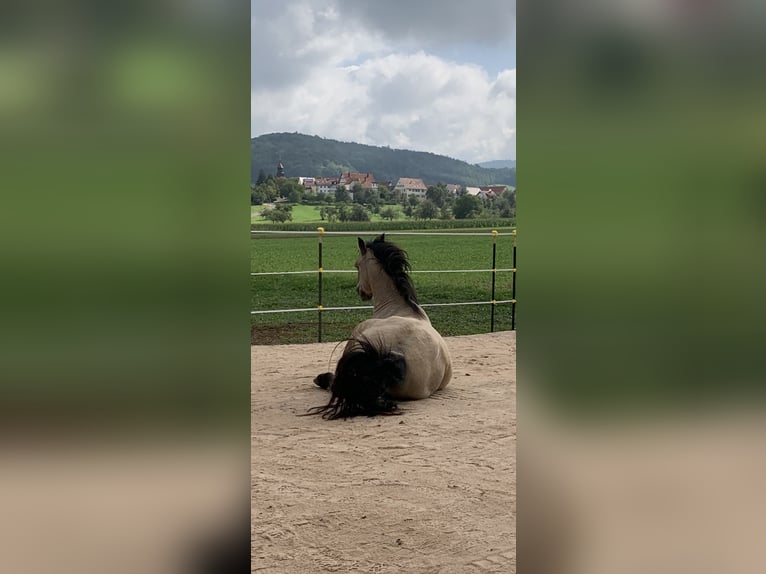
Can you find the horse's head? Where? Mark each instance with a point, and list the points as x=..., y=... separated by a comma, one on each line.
x=384, y=266
x=366, y=264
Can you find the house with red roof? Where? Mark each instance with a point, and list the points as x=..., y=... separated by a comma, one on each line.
x=350, y=179
x=411, y=186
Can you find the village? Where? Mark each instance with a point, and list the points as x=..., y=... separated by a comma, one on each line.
x=359, y=197
x=404, y=187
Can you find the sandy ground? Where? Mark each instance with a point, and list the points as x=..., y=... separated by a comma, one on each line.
x=430, y=491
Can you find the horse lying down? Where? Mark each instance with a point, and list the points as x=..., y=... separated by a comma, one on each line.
x=396, y=355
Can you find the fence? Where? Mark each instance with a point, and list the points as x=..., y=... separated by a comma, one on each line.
x=320, y=308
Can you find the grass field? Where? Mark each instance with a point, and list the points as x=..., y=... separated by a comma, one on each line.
x=301, y=214
x=271, y=253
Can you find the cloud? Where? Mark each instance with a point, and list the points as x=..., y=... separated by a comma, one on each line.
x=434, y=22
x=321, y=68
x=290, y=39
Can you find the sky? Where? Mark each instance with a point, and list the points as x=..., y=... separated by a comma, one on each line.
x=424, y=75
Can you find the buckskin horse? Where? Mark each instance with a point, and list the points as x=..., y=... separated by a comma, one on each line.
x=396, y=355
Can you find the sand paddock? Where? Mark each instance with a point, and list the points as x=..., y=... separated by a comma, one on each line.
x=433, y=490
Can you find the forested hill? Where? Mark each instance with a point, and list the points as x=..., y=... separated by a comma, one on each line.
x=312, y=156
x=498, y=163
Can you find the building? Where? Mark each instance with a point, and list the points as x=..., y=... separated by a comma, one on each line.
x=476, y=192
x=493, y=190
x=350, y=179
x=408, y=186
x=326, y=184
x=308, y=183
x=280, y=170
x=485, y=191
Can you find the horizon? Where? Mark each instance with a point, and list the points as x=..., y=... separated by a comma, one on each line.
x=379, y=146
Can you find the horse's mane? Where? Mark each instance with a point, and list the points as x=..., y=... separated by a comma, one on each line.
x=395, y=263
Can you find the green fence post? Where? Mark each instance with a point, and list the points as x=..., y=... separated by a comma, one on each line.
x=494, y=276
x=320, y=272
x=513, y=285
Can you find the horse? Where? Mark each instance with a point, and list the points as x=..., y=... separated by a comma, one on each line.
x=396, y=355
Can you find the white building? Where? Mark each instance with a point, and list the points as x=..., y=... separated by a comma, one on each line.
x=411, y=186
x=326, y=184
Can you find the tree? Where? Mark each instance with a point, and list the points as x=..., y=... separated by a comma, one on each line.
x=426, y=210
x=385, y=193
x=326, y=197
x=503, y=207
x=257, y=197
x=286, y=186
x=277, y=215
x=510, y=195
x=361, y=195
x=358, y=213
x=267, y=191
x=331, y=212
x=466, y=206
x=294, y=196
x=388, y=213
x=261, y=177
x=437, y=194
x=341, y=195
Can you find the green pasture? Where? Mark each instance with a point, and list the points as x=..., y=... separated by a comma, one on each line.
x=271, y=253
x=302, y=214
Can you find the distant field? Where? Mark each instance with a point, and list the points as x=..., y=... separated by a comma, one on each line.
x=301, y=214
x=299, y=253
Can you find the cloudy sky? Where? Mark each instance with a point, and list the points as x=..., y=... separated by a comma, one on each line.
x=426, y=75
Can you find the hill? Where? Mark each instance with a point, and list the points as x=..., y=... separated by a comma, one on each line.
x=498, y=163
x=304, y=155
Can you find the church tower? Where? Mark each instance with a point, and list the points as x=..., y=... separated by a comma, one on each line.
x=280, y=170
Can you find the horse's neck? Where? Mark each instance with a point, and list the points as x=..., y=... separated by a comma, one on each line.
x=393, y=307
x=387, y=302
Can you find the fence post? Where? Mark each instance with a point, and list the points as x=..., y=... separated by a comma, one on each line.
x=320, y=272
x=494, y=275
x=513, y=285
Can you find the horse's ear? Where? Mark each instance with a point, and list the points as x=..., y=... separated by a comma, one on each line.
x=381, y=238
x=362, y=246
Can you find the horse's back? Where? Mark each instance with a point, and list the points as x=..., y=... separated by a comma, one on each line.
x=427, y=358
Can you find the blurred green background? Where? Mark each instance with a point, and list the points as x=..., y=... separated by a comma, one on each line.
x=642, y=269
x=642, y=212
x=124, y=228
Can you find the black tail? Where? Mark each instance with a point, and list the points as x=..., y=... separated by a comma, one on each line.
x=361, y=381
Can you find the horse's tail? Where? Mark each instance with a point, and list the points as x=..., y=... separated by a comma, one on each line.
x=362, y=378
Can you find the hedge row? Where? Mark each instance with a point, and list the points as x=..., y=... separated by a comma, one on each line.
x=389, y=225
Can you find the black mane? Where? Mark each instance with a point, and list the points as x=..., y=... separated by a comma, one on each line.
x=395, y=263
